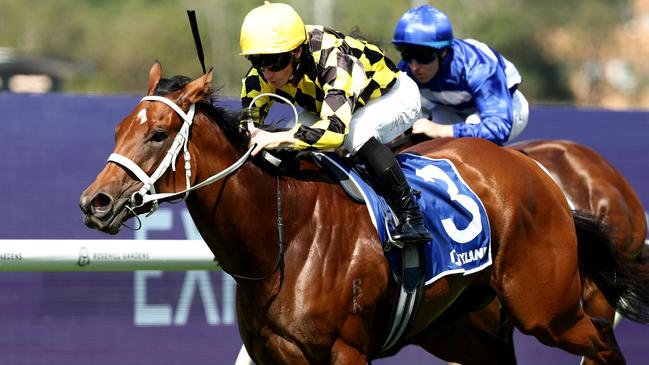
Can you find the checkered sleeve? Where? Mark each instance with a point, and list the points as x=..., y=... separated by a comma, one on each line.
x=253, y=85
x=343, y=79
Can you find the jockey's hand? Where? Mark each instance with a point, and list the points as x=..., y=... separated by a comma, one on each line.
x=265, y=140
x=432, y=129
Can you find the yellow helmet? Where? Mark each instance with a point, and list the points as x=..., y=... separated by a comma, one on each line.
x=271, y=28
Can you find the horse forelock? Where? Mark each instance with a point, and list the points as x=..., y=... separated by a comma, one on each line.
x=167, y=86
x=226, y=119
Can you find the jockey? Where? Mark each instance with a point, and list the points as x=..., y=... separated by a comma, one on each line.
x=352, y=95
x=467, y=88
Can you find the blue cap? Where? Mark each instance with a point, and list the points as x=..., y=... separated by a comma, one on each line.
x=423, y=26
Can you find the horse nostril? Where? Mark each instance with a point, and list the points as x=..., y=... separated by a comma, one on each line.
x=100, y=204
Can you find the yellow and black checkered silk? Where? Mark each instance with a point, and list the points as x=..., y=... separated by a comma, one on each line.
x=337, y=75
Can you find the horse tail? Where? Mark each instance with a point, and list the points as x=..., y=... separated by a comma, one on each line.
x=624, y=284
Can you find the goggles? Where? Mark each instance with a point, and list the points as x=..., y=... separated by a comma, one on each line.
x=423, y=55
x=271, y=62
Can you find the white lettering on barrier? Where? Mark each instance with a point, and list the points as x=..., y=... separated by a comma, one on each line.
x=196, y=279
x=228, y=293
x=161, y=221
x=191, y=232
x=146, y=314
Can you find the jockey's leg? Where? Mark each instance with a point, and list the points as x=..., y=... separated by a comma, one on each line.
x=382, y=164
x=379, y=122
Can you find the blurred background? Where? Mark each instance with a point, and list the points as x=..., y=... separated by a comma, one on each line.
x=578, y=52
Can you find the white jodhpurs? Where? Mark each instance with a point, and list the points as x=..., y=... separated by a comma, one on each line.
x=384, y=118
x=443, y=114
x=521, y=111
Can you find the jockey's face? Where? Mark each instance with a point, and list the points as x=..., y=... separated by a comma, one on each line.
x=423, y=62
x=424, y=72
x=279, y=73
x=279, y=78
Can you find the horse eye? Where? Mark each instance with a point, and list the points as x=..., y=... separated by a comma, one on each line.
x=159, y=136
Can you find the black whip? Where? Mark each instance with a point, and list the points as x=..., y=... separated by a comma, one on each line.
x=197, y=38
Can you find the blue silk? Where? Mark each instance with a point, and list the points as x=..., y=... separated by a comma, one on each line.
x=472, y=77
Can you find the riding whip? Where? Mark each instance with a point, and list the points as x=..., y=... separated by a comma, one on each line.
x=197, y=38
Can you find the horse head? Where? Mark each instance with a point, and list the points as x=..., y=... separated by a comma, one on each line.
x=148, y=142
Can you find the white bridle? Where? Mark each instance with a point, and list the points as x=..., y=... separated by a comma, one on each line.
x=147, y=192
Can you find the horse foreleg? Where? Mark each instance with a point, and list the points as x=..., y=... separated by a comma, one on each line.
x=342, y=353
x=279, y=350
x=594, y=302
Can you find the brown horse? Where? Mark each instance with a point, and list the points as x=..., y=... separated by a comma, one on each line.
x=316, y=287
x=594, y=186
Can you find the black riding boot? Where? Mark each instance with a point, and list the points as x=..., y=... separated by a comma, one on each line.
x=382, y=164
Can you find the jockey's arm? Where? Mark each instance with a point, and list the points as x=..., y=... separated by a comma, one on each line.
x=494, y=104
x=343, y=80
x=431, y=129
x=265, y=140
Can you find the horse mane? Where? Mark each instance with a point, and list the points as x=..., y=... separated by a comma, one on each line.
x=226, y=119
x=229, y=122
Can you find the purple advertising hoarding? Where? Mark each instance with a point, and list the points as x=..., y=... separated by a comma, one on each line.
x=54, y=145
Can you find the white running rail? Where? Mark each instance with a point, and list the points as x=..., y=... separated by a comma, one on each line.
x=105, y=255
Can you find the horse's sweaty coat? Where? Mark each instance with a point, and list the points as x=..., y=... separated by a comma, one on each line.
x=328, y=300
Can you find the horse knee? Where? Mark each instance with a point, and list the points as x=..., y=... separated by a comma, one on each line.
x=595, y=303
x=343, y=353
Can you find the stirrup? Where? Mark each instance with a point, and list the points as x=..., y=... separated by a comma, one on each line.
x=415, y=242
x=419, y=233
x=391, y=242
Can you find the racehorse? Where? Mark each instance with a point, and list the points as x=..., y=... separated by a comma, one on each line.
x=593, y=185
x=313, y=283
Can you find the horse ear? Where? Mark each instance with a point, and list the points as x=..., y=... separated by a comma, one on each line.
x=196, y=90
x=154, y=77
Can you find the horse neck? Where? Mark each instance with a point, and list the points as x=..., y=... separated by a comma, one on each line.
x=236, y=216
